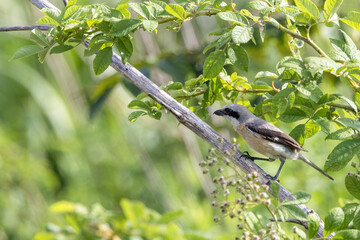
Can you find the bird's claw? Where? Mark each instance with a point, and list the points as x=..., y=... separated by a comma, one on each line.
x=246, y=153
x=273, y=178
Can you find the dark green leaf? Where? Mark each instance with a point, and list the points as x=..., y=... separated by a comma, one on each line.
x=292, y=115
x=155, y=114
x=298, y=133
x=352, y=184
x=137, y=104
x=102, y=60
x=238, y=57
x=357, y=216
x=301, y=198
x=242, y=34
x=125, y=47
x=60, y=49
x=342, y=154
x=322, y=122
x=348, y=234
x=313, y=224
x=341, y=134
x=26, y=51
x=350, y=209
x=175, y=86
x=280, y=102
x=124, y=27
x=214, y=64
x=334, y=220
x=348, y=122
x=233, y=17
x=135, y=115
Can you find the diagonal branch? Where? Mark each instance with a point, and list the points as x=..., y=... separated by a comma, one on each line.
x=191, y=121
x=23, y=28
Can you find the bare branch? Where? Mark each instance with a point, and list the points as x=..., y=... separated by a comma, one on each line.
x=23, y=28
x=291, y=220
x=191, y=121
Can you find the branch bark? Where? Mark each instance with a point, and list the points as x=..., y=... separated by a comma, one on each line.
x=191, y=121
x=23, y=28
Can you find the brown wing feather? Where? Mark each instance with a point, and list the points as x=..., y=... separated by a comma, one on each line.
x=276, y=136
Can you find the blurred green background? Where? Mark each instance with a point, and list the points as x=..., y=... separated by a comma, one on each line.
x=51, y=150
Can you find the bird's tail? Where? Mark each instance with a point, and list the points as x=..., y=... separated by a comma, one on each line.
x=303, y=158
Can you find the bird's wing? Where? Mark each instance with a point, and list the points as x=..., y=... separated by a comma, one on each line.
x=274, y=135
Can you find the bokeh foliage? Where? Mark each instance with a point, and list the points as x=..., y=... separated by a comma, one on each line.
x=51, y=150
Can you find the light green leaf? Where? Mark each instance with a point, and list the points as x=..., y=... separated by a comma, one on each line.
x=39, y=37
x=62, y=207
x=135, y=115
x=48, y=21
x=52, y=13
x=214, y=64
x=125, y=47
x=60, y=49
x=357, y=216
x=313, y=224
x=334, y=220
x=304, y=18
x=26, y=51
x=102, y=60
x=296, y=212
x=292, y=115
x=252, y=221
x=258, y=5
x=353, y=51
x=341, y=134
x=137, y=104
x=275, y=186
x=352, y=184
x=342, y=154
x=265, y=75
x=134, y=211
x=149, y=25
x=354, y=124
x=331, y=7
x=176, y=10
x=69, y=11
x=353, y=20
x=238, y=57
x=301, y=198
x=242, y=34
x=141, y=9
x=124, y=27
x=350, y=209
x=233, y=17
x=348, y=234
x=357, y=99
x=311, y=129
x=309, y=7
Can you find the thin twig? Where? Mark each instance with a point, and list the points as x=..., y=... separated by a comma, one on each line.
x=290, y=220
x=191, y=121
x=23, y=28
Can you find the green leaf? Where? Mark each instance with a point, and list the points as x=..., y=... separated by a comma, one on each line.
x=296, y=212
x=242, y=34
x=135, y=115
x=174, y=86
x=155, y=114
x=353, y=20
x=304, y=18
x=176, y=11
x=352, y=184
x=342, y=154
x=341, y=134
x=60, y=49
x=311, y=129
x=258, y=5
x=313, y=224
x=137, y=104
x=39, y=37
x=334, y=220
x=309, y=7
x=350, y=209
x=102, y=60
x=275, y=186
x=125, y=47
x=266, y=75
x=348, y=234
x=238, y=57
x=170, y=216
x=141, y=9
x=233, y=17
x=149, y=25
x=331, y=7
x=280, y=102
x=252, y=221
x=124, y=27
x=357, y=216
x=292, y=115
x=62, y=207
x=134, y=211
x=42, y=54
x=214, y=64
x=52, y=13
x=357, y=99
x=48, y=21
x=26, y=51
x=301, y=198
x=348, y=122
x=298, y=133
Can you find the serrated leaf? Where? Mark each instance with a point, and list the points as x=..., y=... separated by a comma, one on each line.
x=301, y=198
x=238, y=57
x=233, y=17
x=309, y=7
x=102, y=60
x=341, y=134
x=292, y=115
x=353, y=20
x=334, y=220
x=39, y=37
x=214, y=64
x=141, y=9
x=242, y=34
x=60, y=49
x=313, y=224
x=176, y=11
x=342, y=154
x=124, y=27
x=26, y=51
x=348, y=234
x=331, y=7
x=352, y=184
x=348, y=122
x=149, y=25
x=135, y=115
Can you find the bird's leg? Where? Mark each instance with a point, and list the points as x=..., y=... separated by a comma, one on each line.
x=246, y=153
x=275, y=178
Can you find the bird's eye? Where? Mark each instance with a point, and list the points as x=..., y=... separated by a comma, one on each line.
x=231, y=113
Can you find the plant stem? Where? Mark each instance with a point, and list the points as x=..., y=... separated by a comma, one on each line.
x=23, y=28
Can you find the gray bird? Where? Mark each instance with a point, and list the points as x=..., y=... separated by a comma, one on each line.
x=264, y=137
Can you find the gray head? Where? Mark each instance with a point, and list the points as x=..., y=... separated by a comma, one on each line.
x=236, y=114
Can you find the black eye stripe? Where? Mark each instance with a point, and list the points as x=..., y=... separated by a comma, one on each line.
x=232, y=113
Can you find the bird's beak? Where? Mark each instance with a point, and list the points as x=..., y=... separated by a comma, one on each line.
x=219, y=112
